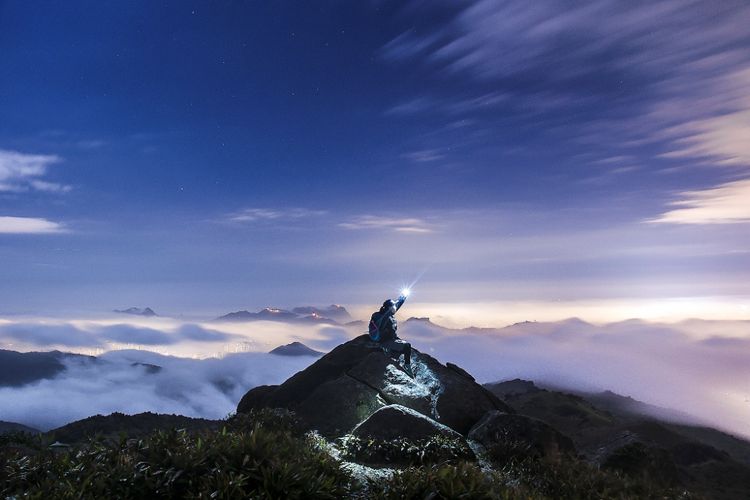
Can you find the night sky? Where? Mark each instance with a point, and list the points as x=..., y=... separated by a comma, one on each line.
x=529, y=160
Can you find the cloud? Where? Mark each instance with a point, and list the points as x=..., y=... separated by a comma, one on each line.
x=29, y=225
x=401, y=225
x=21, y=172
x=269, y=214
x=699, y=367
x=97, y=336
x=199, y=388
x=725, y=204
x=45, y=334
x=662, y=364
x=411, y=107
x=424, y=155
x=667, y=69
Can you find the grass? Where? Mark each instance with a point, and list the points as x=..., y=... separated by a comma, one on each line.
x=267, y=455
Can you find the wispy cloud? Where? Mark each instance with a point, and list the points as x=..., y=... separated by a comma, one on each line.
x=22, y=172
x=721, y=129
x=424, y=155
x=401, y=225
x=29, y=225
x=725, y=204
x=412, y=106
x=273, y=214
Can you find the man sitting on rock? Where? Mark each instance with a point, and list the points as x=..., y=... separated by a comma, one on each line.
x=383, y=326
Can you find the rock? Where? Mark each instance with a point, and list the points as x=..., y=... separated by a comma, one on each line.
x=512, y=387
x=257, y=397
x=400, y=422
x=395, y=385
x=462, y=402
x=459, y=370
x=336, y=406
x=351, y=382
x=512, y=435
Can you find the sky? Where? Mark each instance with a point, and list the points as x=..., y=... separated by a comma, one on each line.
x=524, y=160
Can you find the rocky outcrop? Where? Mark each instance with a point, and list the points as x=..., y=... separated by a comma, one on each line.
x=400, y=422
x=518, y=434
x=348, y=385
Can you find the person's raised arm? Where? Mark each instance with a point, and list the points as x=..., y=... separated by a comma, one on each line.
x=400, y=301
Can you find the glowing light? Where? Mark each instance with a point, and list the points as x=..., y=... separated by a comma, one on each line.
x=405, y=292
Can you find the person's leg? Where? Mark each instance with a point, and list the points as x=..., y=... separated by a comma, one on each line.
x=407, y=354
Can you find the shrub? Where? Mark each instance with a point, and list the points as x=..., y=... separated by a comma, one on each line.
x=573, y=478
x=257, y=461
x=434, y=450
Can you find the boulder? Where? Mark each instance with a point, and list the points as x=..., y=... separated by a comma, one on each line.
x=461, y=402
x=347, y=385
x=506, y=435
x=400, y=422
x=257, y=397
x=336, y=406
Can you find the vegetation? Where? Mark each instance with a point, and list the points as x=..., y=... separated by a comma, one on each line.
x=435, y=450
x=267, y=454
x=261, y=459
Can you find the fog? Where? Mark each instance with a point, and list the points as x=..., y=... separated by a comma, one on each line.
x=697, y=367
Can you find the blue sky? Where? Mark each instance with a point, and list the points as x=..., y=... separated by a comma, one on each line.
x=200, y=157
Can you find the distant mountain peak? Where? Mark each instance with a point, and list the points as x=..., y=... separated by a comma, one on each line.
x=146, y=311
x=306, y=314
x=334, y=311
x=295, y=349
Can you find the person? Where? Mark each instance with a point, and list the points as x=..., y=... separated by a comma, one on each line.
x=384, y=321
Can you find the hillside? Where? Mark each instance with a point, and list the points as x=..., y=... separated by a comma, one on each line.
x=358, y=423
x=608, y=428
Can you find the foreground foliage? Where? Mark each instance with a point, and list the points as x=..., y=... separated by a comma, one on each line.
x=435, y=450
x=268, y=455
x=237, y=462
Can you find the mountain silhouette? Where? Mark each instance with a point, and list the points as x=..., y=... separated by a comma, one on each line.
x=135, y=311
x=295, y=349
x=283, y=315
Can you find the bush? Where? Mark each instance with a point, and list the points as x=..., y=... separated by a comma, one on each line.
x=573, y=478
x=256, y=461
x=462, y=480
x=434, y=450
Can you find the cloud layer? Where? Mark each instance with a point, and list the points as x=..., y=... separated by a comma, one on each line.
x=117, y=382
x=698, y=367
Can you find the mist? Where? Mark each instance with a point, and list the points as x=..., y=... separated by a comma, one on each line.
x=697, y=367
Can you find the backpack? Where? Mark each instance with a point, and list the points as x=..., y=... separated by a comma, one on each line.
x=374, y=329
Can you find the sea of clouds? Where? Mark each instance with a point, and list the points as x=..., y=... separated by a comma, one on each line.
x=697, y=367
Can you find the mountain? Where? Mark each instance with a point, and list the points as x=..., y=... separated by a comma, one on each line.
x=608, y=429
x=147, y=312
x=334, y=312
x=352, y=382
x=20, y=368
x=8, y=427
x=132, y=425
x=387, y=431
x=295, y=349
x=274, y=314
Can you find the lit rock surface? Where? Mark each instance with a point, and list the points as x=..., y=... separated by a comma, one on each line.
x=347, y=385
x=399, y=422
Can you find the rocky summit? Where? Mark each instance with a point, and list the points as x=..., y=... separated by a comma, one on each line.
x=357, y=381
